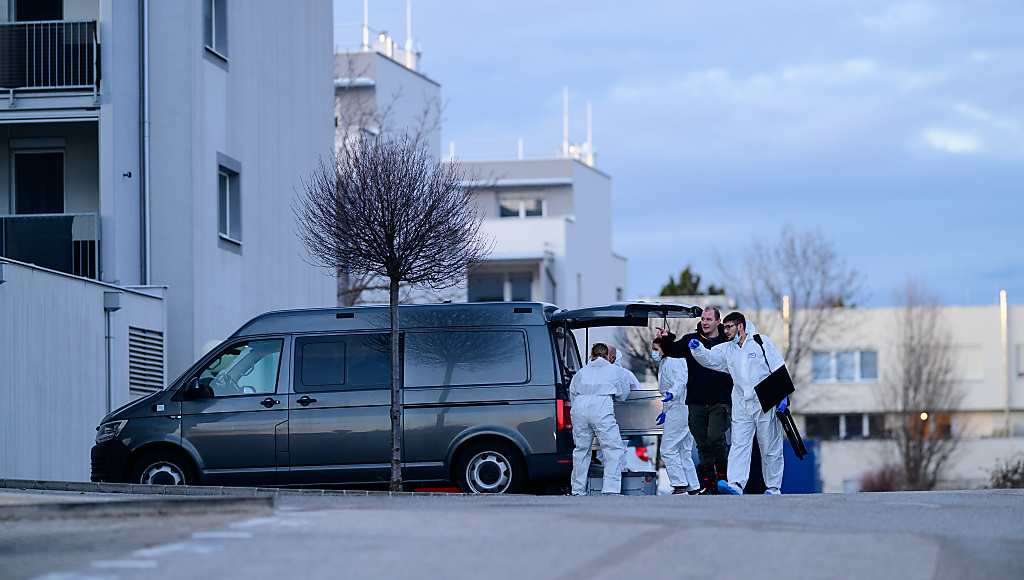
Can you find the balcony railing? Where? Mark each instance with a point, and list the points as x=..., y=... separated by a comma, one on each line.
x=49, y=55
x=66, y=242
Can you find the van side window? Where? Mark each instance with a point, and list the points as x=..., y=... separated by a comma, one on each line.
x=568, y=354
x=342, y=362
x=246, y=368
x=452, y=358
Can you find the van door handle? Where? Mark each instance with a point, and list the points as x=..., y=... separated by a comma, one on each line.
x=269, y=402
x=305, y=400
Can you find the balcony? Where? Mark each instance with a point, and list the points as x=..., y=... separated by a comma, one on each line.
x=66, y=242
x=49, y=55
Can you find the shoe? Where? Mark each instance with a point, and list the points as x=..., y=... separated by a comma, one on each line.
x=694, y=491
x=773, y=491
x=678, y=489
x=727, y=488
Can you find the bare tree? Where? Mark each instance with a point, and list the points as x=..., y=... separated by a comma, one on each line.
x=919, y=393
x=387, y=209
x=805, y=266
x=635, y=343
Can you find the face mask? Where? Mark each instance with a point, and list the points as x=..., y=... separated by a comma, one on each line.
x=736, y=339
x=656, y=356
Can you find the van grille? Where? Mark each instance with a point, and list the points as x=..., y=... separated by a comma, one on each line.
x=145, y=361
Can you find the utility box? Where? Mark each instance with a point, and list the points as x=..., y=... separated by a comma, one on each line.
x=633, y=483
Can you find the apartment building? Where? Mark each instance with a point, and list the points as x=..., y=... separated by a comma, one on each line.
x=151, y=151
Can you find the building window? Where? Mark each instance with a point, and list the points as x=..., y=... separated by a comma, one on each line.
x=844, y=366
x=39, y=182
x=230, y=205
x=34, y=10
x=520, y=206
x=500, y=287
x=215, y=26
x=846, y=426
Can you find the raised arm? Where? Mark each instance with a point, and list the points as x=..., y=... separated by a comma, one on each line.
x=713, y=359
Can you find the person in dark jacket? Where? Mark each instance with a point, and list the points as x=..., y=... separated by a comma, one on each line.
x=708, y=398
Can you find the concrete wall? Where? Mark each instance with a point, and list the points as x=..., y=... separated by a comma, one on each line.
x=53, y=368
x=268, y=107
x=842, y=464
x=399, y=94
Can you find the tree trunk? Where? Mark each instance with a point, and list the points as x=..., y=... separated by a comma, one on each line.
x=396, y=395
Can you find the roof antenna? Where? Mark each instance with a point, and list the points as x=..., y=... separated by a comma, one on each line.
x=565, y=121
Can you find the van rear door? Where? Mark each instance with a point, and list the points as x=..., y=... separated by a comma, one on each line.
x=635, y=415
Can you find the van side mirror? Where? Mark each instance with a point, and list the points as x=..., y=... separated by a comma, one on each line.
x=193, y=391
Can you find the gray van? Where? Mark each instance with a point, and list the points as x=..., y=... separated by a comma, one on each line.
x=302, y=398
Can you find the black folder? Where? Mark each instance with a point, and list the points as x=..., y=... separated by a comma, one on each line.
x=774, y=388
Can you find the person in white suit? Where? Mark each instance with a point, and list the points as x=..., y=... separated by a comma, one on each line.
x=592, y=392
x=748, y=364
x=676, y=440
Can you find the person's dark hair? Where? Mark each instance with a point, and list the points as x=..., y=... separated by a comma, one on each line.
x=718, y=313
x=661, y=341
x=737, y=317
x=599, y=349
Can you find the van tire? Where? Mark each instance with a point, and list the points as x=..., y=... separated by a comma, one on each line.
x=164, y=468
x=490, y=467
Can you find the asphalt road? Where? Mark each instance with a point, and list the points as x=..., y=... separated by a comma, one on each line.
x=965, y=534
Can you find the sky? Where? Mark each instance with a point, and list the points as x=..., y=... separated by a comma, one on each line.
x=894, y=128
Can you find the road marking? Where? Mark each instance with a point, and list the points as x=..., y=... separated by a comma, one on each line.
x=224, y=535
x=125, y=564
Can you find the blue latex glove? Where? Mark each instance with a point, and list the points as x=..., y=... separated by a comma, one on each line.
x=661, y=419
x=694, y=343
x=782, y=406
x=668, y=397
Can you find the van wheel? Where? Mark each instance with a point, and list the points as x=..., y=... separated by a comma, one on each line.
x=490, y=467
x=164, y=468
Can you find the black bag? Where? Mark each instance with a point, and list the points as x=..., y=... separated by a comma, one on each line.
x=776, y=387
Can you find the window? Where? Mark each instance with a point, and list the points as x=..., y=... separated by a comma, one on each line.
x=500, y=287
x=486, y=288
x=565, y=343
x=846, y=426
x=215, y=26
x=822, y=426
x=453, y=358
x=246, y=368
x=33, y=10
x=844, y=366
x=520, y=206
x=343, y=363
x=39, y=182
x=230, y=206
x=520, y=284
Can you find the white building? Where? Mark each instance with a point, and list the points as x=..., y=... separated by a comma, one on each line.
x=152, y=149
x=551, y=223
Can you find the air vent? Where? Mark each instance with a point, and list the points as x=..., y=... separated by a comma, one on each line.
x=346, y=315
x=145, y=361
x=523, y=310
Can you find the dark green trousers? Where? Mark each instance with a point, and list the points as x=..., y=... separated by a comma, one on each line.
x=708, y=424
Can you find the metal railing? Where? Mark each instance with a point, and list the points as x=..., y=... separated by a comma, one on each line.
x=49, y=55
x=66, y=242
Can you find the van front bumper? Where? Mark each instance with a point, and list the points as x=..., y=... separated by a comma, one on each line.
x=107, y=460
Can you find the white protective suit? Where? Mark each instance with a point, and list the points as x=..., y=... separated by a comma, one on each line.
x=593, y=413
x=677, y=442
x=746, y=365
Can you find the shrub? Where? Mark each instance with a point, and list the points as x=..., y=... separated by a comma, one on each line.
x=1009, y=474
x=884, y=479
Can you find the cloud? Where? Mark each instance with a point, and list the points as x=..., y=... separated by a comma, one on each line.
x=951, y=142
x=903, y=17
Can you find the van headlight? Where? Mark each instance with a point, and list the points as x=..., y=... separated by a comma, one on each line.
x=109, y=430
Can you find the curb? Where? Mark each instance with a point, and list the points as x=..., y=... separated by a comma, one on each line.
x=140, y=507
x=205, y=490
